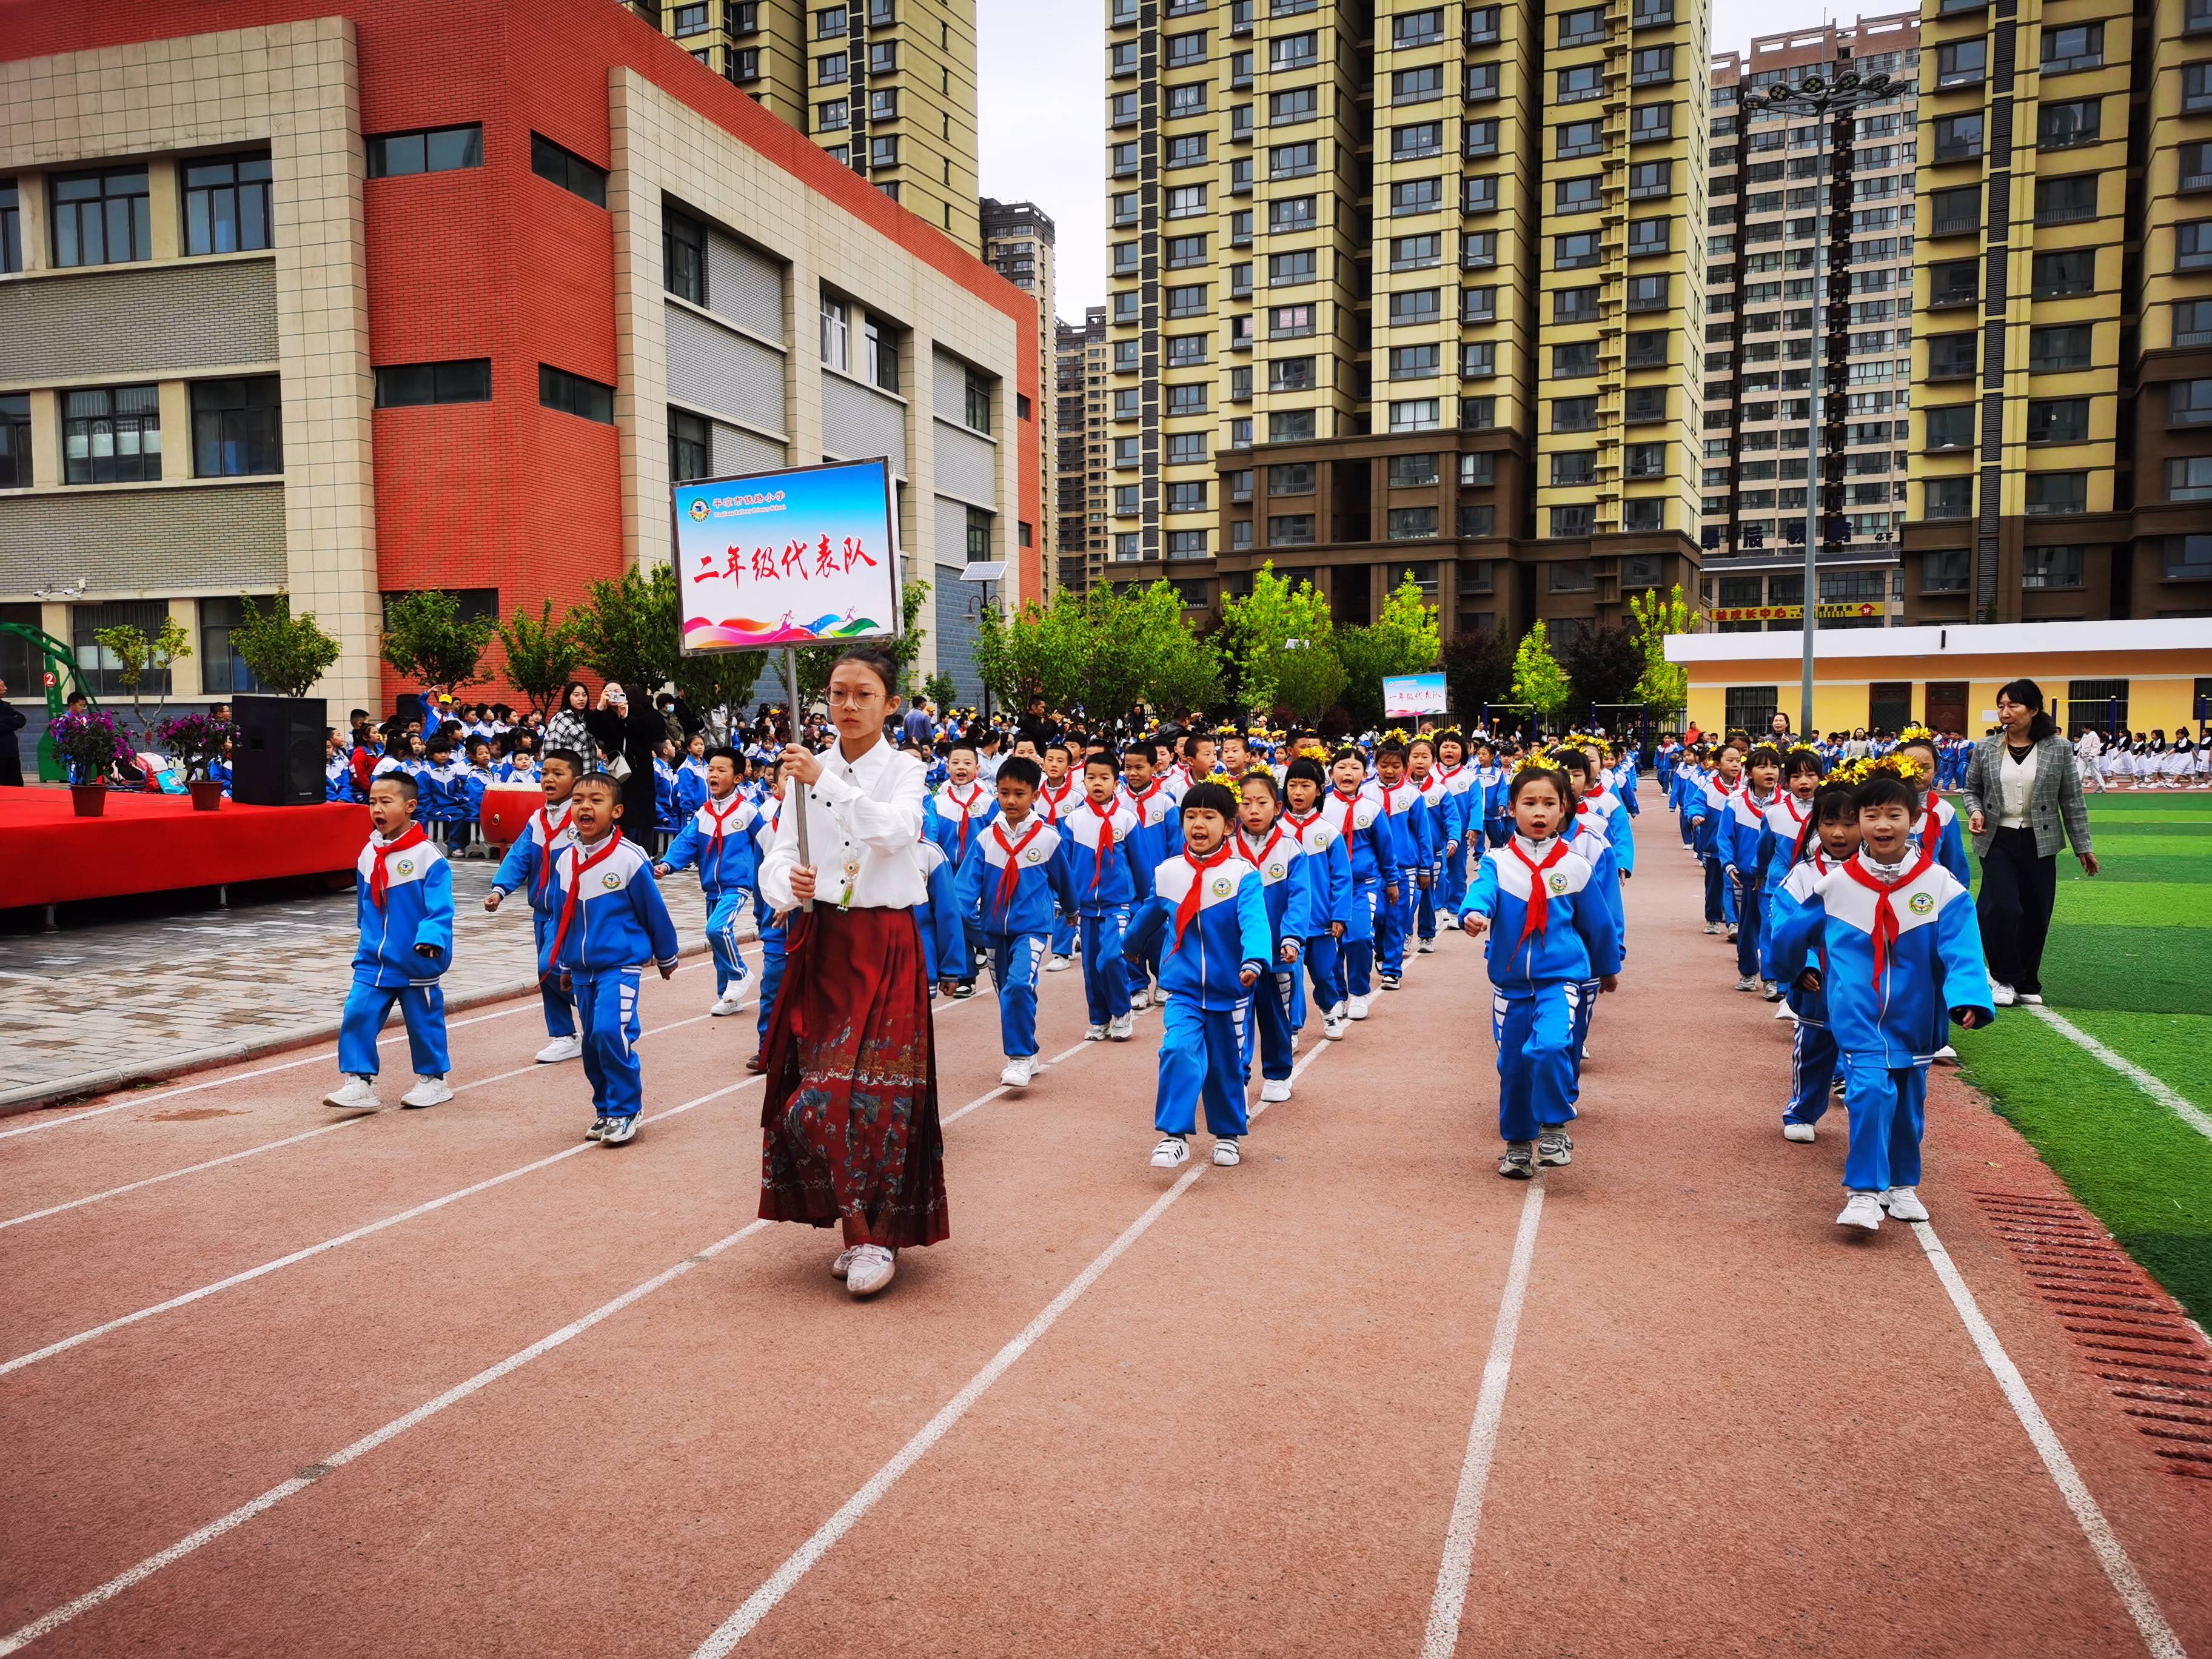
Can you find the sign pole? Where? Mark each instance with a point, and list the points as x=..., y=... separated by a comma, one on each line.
x=798, y=796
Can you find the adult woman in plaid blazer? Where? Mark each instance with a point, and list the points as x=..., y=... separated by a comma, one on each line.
x=2023, y=805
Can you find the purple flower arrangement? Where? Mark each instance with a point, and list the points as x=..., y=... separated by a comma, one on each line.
x=90, y=741
x=194, y=741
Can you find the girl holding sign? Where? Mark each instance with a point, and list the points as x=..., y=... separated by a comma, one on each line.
x=849, y=1123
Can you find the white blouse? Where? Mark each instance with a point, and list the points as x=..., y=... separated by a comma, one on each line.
x=2016, y=784
x=863, y=827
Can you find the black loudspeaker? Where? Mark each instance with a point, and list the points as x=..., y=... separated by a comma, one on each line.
x=278, y=760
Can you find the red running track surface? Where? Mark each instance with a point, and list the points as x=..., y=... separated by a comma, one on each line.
x=153, y=843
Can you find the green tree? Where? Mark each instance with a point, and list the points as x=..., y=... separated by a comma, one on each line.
x=1282, y=643
x=1182, y=670
x=287, y=654
x=626, y=629
x=1040, y=648
x=426, y=639
x=815, y=661
x=1403, y=641
x=543, y=655
x=140, y=659
x=1478, y=669
x=940, y=690
x=1604, y=665
x=1538, y=679
x=1663, y=687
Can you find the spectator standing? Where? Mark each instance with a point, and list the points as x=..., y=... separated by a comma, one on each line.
x=2023, y=805
x=569, y=728
x=12, y=721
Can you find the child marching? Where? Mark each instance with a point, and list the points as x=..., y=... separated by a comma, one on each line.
x=1274, y=855
x=528, y=868
x=1012, y=887
x=1098, y=843
x=1829, y=838
x=403, y=902
x=1326, y=858
x=718, y=839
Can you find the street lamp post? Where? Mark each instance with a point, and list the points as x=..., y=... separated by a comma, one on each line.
x=1833, y=103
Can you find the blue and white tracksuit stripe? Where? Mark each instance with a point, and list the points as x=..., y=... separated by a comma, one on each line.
x=1202, y=1036
x=620, y=924
x=518, y=873
x=419, y=909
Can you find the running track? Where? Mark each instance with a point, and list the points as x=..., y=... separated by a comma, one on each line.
x=419, y=1384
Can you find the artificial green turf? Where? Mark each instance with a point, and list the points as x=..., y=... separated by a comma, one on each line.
x=2129, y=963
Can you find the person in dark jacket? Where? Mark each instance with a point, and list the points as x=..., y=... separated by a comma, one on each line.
x=12, y=721
x=633, y=731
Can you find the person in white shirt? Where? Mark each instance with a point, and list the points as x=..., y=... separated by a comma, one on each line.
x=855, y=1002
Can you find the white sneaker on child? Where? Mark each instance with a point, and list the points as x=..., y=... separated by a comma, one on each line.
x=1864, y=1209
x=1172, y=1153
x=1057, y=965
x=355, y=1094
x=725, y=1006
x=1903, y=1205
x=1275, y=1091
x=1123, y=1028
x=1094, y=1034
x=561, y=1048
x=1140, y=999
x=1798, y=1132
x=1332, y=1025
x=1020, y=1068
x=1225, y=1154
x=426, y=1091
x=1357, y=1007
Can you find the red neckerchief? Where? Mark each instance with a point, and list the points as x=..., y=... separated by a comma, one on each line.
x=1351, y=808
x=1300, y=825
x=578, y=866
x=966, y=808
x=1052, y=802
x=1138, y=800
x=1259, y=861
x=1013, y=851
x=1797, y=817
x=721, y=822
x=1105, y=816
x=378, y=884
x=1538, y=917
x=1448, y=773
x=1383, y=792
x=1934, y=801
x=1421, y=785
x=548, y=829
x=1189, y=908
x=1885, y=917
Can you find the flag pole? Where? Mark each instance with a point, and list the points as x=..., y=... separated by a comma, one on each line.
x=798, y=796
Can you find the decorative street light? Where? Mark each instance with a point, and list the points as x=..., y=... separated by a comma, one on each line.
x=1835, y=102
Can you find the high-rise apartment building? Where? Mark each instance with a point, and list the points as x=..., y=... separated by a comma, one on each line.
x=2061, y=435
x=1018, y=244
x=887, y=87
x=1079, y=376
x=1772, y=176
x=1408, y=286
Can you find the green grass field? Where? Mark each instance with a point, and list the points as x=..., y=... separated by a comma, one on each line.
x=2129, y=963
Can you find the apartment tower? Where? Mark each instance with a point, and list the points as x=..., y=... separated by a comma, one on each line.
x=1018, y=244
x=1080, y=379
x=1405, y=286
x=887, y=87
x=2061, y=442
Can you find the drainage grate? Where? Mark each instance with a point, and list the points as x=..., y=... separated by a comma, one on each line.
x=2132, y=1337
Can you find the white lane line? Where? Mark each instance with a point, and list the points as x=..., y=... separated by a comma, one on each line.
x=47, y=1623
x=2112, y=1555
x=155, y=1180
x=358, y=1233
x=1453, y=1575
x=758, y=1606
x=2195, y=1116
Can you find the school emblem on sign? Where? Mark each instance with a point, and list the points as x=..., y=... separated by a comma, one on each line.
x=1921, y=903
x=1559, y=882
x=405, y=866
x=1220, y=885
x=610, y=881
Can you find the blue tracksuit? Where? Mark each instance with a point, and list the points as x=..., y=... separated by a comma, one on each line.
x=1537, y=976
x=615, y=926
x=1708, y=803
x=1055, y=808
x=1889, y=1020
x=1444, y=844
x=1737, y=841
x=1611, y=813
x=1813, y=1053
x=1771, y=853
x=1465, y=803
x=1011, y=885
x=527, y=869
x=1942, y=819
x=691, y=790
x=1686, y=784
x=1202, y=1038
x=938, y=916
x=1357, y=820
x=1326, y=861
x=1620, y=778
x=716, y=838
x=1492, y=780
x=768, y=812
x=417, y=909
x=1288, y=893
x=666, y=815
x=338, y=778
x=1099, y=847
x=1404, y=820
x=1605, y=889
x=1158, y=837
x=960, y=815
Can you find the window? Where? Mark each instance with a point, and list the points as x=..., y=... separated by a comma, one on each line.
x=2079, y=47
x=883, y=152
x=1954, y=283
x=1418, y=196
x=1417, y=86
x=1574, y=414
x=1581, y=27
x=1478, y=194
x=1644, y=461
x=1478, y=359
x=1294, y=161
x=227, y=204
x=1411, y=143
x=1650, y=122
x=1649, y=178
x=1414, y=307
x=1647, y=349
x=1648, y=513
x=437, y=149
x=1418, y=29
x=836, y=334
x=1958, y=138
x=1185, y=251
x=1572, y=521
x=221, y=668
x=16, y=441
x=1128, y=499
x=883, y=105
x=1416, y=415
x=1290, y=374
x=102, y=218
x=1288, y=270
x=1477, y=250
x=2066, y=201
x=1189, y=400
x=1478, y=468
x=1186, y=544
x=572, y=394
x=1945, y=571
x=1652, y=14
x=1289, y=214
x=1649, y=235
x=1961, y=63
x=1574, y=251
x=1651, y=66
x=833, y=117
x=1186, y=202
x=1574, y=466
x=1478, y=305
x=2051, y=567
x=1479, y=83
x=1648, y=293
x=2188, y=559
x=1577, y=361
x=828, y=23
x=1121, y=59
x=1294, y=51
x=112, y=435
x=883, y=58
x=1474, y=521
x=2057, y=348
x=683, y=256
x=690, y=446
x=1575, y=304
x=1571, y=575
x=99, y=669
x=1580, y=84
x=1186, y=152
x=2192, y=322
x=1578, y=138
x=2192, y=245
x=2189, y=402
x=2051, y=493
x=462, y=380
x=1576, y=195
x=1295, y=479
x=2196, y=87
x=11, y=227
x=1288, y=108
x=1749, y=707
x=1416, y=252
x=1410, y=524
x=2058, y=420
x=979, y=535
x=1412, y=471
x=1290, y=322
x=1290, y=530
x=1189, y=99
x=880, y=356
x=1184, y=448
x=2055, y=275
x=1950, y=427
x=1189, y=497
x=1482, y=26
x=1950, y=498
x=2063, y=127
x=976, y=411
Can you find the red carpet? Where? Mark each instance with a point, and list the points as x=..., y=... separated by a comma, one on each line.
x=150, y=843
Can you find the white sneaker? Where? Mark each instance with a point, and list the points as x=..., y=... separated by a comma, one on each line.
x=1057, y=965
x=1094, y=1034
x=1748, y=982
x=1275, y=1091
x=1864, y=1210
x=1020, y=1068
x=725, y=1006
x=2002, y=994
x=1357, y=1007
x=355, y=1094
x=426, y=1091
x=1798, y=1132
x=1946, y=1052
x=1172, y=1153
x=871, y=1268
x=1905, y=1205
x=1712, y=928
x=1140, y=999
x=842, y=1263
x=1427, y=947
x=1122, y=1029
x=1333, y=1026
x=561, y=1048
x=1225, y=1154
x=2028, y=999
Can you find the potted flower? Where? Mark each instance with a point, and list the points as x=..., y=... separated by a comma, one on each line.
x=196, y=741
x=88, y=741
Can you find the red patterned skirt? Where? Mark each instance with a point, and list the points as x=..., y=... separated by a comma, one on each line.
x=849, y=1124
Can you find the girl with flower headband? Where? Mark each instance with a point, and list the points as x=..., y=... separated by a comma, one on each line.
x=1787, y=821
x=1443, y=833
x=1917, y=751
x=1461, y=816
x=1829, y=837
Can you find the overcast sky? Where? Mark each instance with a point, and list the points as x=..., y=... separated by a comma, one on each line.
x=1043, y=122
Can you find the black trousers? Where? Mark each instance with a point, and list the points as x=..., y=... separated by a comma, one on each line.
x=2018, y=890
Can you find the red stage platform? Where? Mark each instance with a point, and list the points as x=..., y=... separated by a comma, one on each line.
x=153, y=843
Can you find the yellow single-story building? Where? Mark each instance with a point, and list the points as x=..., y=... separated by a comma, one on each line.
x=2139, y=676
